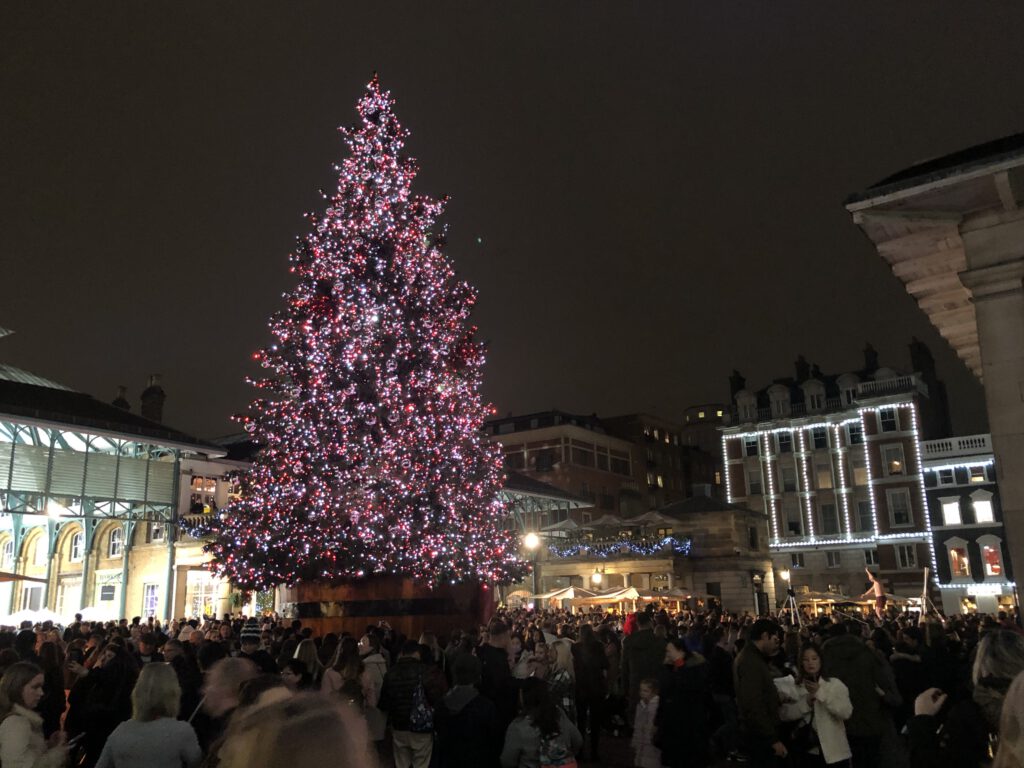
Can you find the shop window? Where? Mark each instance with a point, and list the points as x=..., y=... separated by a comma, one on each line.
x=991, y=555
x=951, y=511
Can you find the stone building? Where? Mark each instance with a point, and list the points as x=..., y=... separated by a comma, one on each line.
x=835, y=463
x=952, y=229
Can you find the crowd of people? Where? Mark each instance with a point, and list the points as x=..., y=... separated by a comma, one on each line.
x=530, y=689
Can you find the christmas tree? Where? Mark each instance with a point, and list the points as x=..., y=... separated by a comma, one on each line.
x=371, y=456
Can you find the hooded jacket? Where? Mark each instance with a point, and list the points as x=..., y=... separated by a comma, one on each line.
x=847, y=658
x=467, y=729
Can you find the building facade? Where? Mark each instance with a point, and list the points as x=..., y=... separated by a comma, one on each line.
x=952, y=230
x=835, y=463
x=974, y=573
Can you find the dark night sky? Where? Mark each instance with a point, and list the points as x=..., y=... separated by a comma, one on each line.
x=656, y=186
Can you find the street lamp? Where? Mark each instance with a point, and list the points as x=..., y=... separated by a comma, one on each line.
x=784, y=575
x=531, y=541
x=596, y=578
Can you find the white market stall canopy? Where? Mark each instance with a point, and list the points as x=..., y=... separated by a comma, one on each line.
x=562, y=525
x=605, y=521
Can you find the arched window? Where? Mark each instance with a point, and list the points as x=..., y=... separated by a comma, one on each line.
x=7, y=555
x=42, y=550
x=77, y=547
x=991, y=555
x=116, y=542
x=959, y=563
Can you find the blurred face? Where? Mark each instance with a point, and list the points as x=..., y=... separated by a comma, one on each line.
x=810, y=662
x=540, y=652
x=225, y=632
x=32, y=693
x=646, y=693
x=218, y=696
x=672, y=654
x=171, y=652
x=290, y=679
x=516, y=646
x=769, y=643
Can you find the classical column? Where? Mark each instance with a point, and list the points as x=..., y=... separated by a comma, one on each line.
x=996, y=282
x=626, y=579
x=671, y=580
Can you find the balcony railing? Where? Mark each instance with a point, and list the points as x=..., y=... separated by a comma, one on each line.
x=952, y=447
x=895, y=386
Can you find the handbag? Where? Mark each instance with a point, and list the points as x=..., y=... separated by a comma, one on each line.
x=421, y=716
x=804, y=738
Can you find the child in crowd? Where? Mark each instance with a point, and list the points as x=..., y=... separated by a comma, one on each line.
x=645, y=754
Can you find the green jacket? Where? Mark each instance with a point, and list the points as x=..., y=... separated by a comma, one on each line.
x=756, y=698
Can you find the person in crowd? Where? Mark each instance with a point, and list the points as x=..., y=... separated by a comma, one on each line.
x=466, y=722
x=818, y=707
x=147, y=652
x=543, y=735
x=22, y=743
x=25, y=646
x=306, y=652
x=296, y=676
x=375, y=667
x=100, y=700
x=561, y=680
x=404, y=700
x=221, y=687
x=757, y=701
x=645, y=753
x=153, y=737
x=496, y=682
x=51, y=661
x=683, y=719
x=590, y=670
x=304, y=731
x=347, y=676
x=642, y=656
x=847, y=658
x=963, y=733
x=249, y=640
x=328, y=649
x=876, y=592
x=1010, y=752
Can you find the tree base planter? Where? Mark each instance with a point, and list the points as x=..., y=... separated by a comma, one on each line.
x=407, y=606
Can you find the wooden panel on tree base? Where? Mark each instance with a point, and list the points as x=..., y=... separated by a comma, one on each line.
x=409, y=607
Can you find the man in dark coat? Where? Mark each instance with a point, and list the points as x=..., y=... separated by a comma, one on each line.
x=496, y=681
x=249, y=642
x=591, y=666
x=756, y=696
x=467, y=722
x=847, y=658
x=643, y=654
x=397, y=699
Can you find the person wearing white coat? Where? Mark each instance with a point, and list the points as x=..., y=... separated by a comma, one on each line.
x=822, y=702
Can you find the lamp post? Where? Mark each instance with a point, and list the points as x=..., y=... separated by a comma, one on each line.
x=596, y=578
x=531, y=541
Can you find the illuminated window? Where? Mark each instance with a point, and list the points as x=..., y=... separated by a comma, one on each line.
x=887, y=420
x=982, y=503
x=859, y=470
x=718, y=413
x=115, y=542
x=991, y=555
x=657, y=435
x=661, y=481
x=824, y=473
x=951, y=511
x=892, y=460
x=906, y=556
x=663, y=532
x=959, y=565
x=77, y=547
x=650, y=478
x=977, y=474
x=718, y=478
x=700, y=414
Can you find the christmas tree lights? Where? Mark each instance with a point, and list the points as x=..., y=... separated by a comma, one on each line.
x=371, y=456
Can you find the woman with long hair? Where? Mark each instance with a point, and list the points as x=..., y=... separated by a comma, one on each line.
x=154, y=737
x=819, y=706
x=22, y=744
x=562, y=677
x=100, y=700
x=1011, y=727
x=306, y=652
x=51, y=661
x=347, y=675
x=543, y=734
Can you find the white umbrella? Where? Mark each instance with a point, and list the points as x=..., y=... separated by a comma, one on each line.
x=605, y=521
x=563, y=525
x=36, y=617
x=654, y=517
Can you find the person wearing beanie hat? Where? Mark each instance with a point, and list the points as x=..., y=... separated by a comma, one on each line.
x=249, y=640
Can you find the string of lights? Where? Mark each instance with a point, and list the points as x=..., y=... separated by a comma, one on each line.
x=678, y=545
x=371, y=455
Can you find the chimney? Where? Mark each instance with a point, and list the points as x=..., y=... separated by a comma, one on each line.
x=816, y=372
x=870, y=359
x=121, y=401
x=153, y=398
x=803, y=370
x=736, y=383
